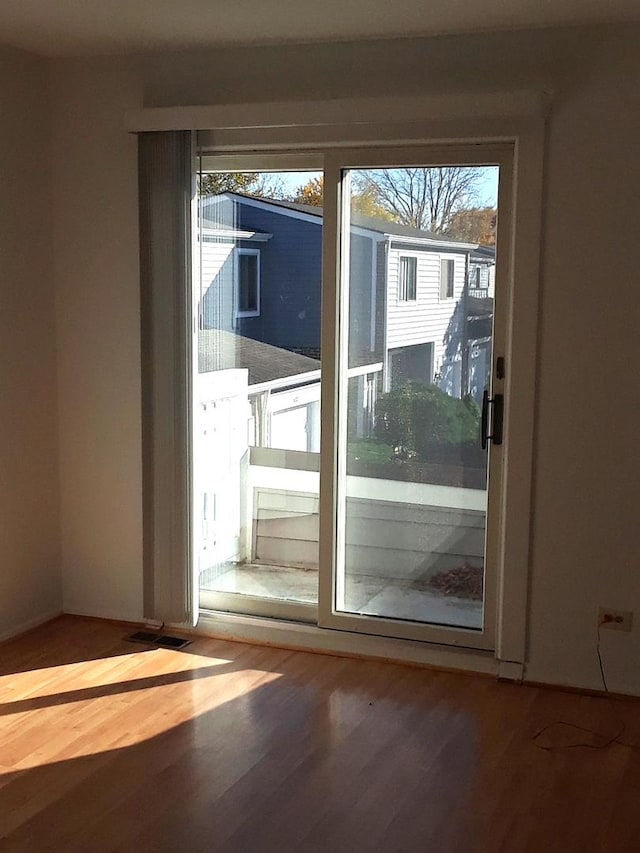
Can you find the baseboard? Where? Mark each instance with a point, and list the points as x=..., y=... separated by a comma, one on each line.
x=129, y=618
x=598, y=692
x=29, y=625
x=510, y=671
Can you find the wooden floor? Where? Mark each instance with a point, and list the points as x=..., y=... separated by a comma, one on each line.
x=106, y=745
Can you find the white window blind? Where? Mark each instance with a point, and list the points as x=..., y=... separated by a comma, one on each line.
x=166, y=192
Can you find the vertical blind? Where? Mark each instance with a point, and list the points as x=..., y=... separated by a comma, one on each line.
x=166, y=191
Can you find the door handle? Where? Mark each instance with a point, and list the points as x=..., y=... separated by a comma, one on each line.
x=497, y=404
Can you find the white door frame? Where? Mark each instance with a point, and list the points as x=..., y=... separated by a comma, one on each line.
x=334, y=349
x=517, y=119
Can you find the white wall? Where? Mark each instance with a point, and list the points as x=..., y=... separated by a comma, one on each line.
x=29, y=530
x=96, y=271
x=584, y=550
x=587, y=492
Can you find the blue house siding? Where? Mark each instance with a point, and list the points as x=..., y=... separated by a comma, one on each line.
x=290, y=281
x=290, y=272
x=290, y=246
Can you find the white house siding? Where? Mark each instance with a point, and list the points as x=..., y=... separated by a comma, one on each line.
x=487, y=284
x=429, y=318
x=221, y=414
x=491, y=290
x=384, y=539
x=216, y=300
x=294, y=419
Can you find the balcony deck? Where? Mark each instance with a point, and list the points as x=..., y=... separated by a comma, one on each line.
x=407, y=599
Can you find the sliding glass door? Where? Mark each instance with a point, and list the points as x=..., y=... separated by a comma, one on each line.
x=410, y=506
x=347, y=408
x=256, y=389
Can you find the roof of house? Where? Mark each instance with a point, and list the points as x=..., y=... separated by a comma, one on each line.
x=484, y=253
x=371, y=223
x=220, y=350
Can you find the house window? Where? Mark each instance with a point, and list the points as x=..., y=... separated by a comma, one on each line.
x=407, y=279
x=248, y=283
x=447, y=272
x=479, y=277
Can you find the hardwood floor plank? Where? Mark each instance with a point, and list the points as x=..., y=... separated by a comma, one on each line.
x=106, y=746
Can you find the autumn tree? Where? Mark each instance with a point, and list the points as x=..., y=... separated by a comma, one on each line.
x=365, y=201
x=474, y=225
x=310, y=193
x=425, y=198
x=362, y=201
x=214, y=183
x=262, y=184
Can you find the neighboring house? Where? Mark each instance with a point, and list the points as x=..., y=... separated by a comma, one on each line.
x=482, y=272
x=408, y=296
x=281, y=387
x=255, y=504
x=247, y=394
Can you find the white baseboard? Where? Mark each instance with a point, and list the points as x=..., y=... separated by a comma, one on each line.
x=23, y=627
x=510, y=671
x=136, y=618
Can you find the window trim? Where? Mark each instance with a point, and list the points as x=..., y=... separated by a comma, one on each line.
x=338, y=165
x=450, y=282
x=400, y=300
x=239, y=253
x=515, y=118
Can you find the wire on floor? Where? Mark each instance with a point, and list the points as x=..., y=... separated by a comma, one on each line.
x=601, y=741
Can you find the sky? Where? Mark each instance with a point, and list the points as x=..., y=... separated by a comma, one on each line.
x=488, y=188
x=487, y=185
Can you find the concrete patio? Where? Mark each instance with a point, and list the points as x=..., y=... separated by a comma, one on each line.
x=399, y=598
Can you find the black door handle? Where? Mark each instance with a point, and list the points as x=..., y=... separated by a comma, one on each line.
x=497, y=403
x=484, y=419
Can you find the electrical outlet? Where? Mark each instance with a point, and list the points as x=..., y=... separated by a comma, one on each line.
x=617, y=620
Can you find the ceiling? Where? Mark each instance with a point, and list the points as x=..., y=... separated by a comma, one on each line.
x=88, y=27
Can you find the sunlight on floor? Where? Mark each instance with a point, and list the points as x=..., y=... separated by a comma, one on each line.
x=154, y=691
x=103, y=671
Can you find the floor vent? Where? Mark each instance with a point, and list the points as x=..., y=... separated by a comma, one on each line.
x=169, y=642
x=142, y=637
x=164, y=640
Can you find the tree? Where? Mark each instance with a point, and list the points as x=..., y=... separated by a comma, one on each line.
x=475, y=225
x=362, y=201
x=419, y=418
x=310, y=193
x=365, y=201
x=425, y=198
x=214, y=183
x=262, y=184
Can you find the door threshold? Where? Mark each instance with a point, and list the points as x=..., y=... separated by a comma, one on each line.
x=303, y=637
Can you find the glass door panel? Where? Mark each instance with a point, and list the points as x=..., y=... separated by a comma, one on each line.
x=393, y=527
x=418, y=263
x=256, y=391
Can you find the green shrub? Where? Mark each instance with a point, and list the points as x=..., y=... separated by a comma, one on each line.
x=367, y=451
x=416, y=418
